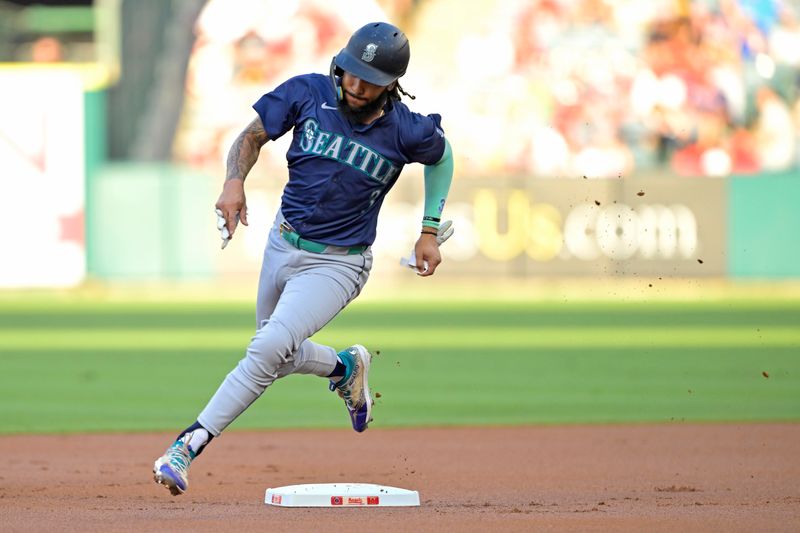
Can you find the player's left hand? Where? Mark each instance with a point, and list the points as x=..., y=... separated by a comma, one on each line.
x=445, y=232
x=427, y=254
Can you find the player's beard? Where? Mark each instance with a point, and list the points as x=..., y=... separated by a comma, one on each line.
x=359, y=114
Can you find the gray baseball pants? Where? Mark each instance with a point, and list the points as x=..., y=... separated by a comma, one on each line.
x=298, y=293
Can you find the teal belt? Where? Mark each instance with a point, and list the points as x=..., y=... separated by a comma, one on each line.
x=293, y=238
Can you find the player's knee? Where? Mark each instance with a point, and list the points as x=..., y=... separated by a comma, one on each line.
x=274, y=343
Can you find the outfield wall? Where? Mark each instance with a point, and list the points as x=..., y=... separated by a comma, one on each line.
x=42, y=178
x=156, y=222
x=763, y=226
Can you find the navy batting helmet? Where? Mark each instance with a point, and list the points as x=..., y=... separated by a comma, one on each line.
x=377, y=53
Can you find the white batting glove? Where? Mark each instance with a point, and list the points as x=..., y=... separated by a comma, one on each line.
x=444, y=232
x=223, y=229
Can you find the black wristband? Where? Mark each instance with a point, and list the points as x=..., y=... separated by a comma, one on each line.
x=429, y=232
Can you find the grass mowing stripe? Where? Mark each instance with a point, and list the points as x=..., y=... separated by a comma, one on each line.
x=486, y=314
x=89, y=391
x=428, y=337
x=100, y=367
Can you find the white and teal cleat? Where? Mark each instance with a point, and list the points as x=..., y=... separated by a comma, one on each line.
x=172, y=468
x=354, y=387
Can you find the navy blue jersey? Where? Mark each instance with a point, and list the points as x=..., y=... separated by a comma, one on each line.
x=340, y=172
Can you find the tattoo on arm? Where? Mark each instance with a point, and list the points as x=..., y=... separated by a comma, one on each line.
x=244, y=151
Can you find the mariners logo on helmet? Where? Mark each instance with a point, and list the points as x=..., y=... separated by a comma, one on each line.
x=369, y=52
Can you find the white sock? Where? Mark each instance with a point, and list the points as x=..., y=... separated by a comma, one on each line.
x=199, y=438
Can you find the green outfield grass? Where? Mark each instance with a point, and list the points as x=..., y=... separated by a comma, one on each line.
x=82, y=366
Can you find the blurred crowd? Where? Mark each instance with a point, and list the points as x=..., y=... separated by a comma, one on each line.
x=246, y=48
x=603, y=88
x=555, y=88
x=733, y=73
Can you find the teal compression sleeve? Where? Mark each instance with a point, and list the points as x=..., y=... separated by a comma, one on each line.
x=437, y=185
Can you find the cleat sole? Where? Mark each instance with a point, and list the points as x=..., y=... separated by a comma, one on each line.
x=163, y=477
x=366, y=359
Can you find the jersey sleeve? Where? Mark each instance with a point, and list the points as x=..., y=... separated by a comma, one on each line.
x=280, y=108
x=423, y=138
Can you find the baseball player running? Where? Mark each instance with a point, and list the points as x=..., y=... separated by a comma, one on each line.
x=351, y=137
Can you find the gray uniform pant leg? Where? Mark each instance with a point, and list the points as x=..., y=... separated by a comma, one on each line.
x=299, y=292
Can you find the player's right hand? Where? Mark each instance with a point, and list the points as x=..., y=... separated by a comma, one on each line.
x=233, y=205
x=223, y=229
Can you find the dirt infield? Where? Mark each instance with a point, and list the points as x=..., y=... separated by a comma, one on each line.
x=674, y=477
